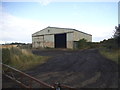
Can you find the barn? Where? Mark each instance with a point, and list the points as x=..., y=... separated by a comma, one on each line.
x=55, y=37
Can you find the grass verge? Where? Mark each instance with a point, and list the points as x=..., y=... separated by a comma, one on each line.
x=113, y=55
x=21, y=59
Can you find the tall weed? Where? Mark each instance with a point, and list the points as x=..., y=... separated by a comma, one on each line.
x=21, y=59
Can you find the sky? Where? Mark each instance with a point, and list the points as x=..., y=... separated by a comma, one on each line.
x=21, y=19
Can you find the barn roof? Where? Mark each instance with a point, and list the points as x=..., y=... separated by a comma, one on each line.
x=69, y=29
x=62, y=28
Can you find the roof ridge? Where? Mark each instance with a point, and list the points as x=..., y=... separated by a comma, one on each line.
x=69, y=29
x=60, y=28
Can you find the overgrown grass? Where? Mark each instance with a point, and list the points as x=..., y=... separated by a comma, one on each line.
x=21, y=59
x=113, y=55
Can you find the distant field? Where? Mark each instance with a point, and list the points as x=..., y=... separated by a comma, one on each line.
x=7, y=46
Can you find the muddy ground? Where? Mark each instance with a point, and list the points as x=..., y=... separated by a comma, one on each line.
x=79, y=69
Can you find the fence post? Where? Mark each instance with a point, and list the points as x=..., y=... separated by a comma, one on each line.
x=57, y=86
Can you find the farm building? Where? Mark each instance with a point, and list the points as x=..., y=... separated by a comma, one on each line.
x=55, y=37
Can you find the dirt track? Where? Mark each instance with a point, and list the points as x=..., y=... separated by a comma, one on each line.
x=86, y=69
x=79, y=69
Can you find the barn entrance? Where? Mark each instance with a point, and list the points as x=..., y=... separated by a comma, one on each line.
x=60, y=40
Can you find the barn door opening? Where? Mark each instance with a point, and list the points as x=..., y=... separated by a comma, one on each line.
x=60, y=40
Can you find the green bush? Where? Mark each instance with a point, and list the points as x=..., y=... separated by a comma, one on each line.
x=83, y=44
x=110, y=44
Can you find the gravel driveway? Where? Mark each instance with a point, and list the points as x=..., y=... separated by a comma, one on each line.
x=79, y=69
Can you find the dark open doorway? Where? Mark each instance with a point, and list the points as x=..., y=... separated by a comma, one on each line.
x=60, y=40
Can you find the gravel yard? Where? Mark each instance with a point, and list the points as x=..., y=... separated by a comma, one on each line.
x=76, y=68
x=86, y=69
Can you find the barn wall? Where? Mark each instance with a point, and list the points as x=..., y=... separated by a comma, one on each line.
x=43, y=41
x=79, y=35
x=37, y=42
x=70, y=40
x=49, y=41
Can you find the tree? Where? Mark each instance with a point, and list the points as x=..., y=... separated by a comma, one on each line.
x=117, y=35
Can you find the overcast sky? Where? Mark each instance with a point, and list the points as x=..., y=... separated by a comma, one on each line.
x=21, y=19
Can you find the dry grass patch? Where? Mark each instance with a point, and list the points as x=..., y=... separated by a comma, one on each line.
x=21, y=59
x=113, y=55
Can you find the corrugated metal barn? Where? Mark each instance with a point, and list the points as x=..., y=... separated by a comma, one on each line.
x=55, y=37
